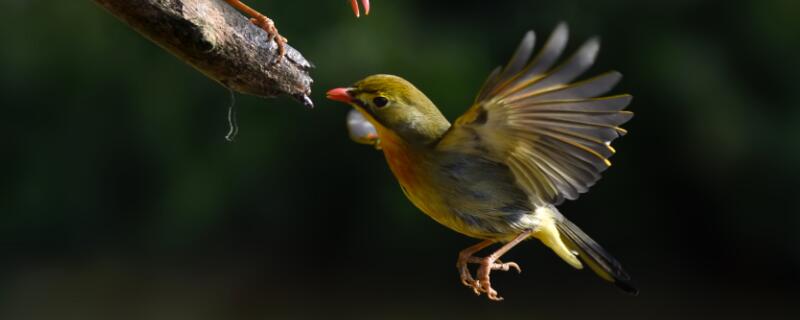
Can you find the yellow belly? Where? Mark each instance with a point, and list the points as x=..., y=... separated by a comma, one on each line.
x=412, y=170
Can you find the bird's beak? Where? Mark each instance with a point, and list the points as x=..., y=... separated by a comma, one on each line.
x=340, y=94
x=354, y=4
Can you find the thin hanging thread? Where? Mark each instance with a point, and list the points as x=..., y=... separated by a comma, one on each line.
x=233, y=126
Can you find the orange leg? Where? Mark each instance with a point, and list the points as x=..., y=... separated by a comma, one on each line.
x=487, y=264
x=464, y=257
x=262, y=22
x=354, y=4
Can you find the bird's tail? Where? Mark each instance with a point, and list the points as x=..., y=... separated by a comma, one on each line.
x=597, y=258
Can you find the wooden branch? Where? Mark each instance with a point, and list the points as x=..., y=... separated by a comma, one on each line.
x=219, y=42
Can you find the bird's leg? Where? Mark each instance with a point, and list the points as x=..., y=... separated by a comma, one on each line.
x=262, y=22
x=464, y=257
x=354, y=4
x=467, y=256
x=489, y=263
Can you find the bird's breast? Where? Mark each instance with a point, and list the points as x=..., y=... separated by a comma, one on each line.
x=468, y=194
x=400, y=158
x=412, y=170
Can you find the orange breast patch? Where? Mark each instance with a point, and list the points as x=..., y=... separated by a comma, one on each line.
x=400, y=159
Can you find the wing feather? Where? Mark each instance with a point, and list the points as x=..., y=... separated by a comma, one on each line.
x=554, y=134
x=568, y=71
x=583, y=89
x=515, y=64
x=604, y=104
x=550, y=52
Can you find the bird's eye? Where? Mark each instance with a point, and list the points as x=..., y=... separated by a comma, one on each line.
x=380, y=101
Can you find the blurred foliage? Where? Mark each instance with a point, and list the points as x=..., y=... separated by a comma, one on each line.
x=120, y=196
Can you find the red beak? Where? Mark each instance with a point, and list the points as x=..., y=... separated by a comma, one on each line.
x=340, y=94
x=354, y=4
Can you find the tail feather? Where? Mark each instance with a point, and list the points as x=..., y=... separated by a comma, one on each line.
x=597, y=258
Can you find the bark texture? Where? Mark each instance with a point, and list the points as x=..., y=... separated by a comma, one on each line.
x=220, y=42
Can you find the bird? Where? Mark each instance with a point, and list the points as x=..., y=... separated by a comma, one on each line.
x=268, y=25
x=532, y=138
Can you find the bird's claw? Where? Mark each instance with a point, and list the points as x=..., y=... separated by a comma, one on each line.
x=272, y=34
x=466, y=278
x=483, y=284
x=506, y=266
x=463, y=272
x=264, y=23
x=497, y=264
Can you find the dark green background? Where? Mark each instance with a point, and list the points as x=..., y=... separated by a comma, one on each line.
x=120, y=199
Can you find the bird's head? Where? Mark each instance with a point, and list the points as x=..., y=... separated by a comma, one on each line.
x=392, y=103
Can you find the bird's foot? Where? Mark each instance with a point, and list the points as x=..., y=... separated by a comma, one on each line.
x=483, y=284
x=268, y=25
x=466, y=278
x=464, y=257
x=262, y=22
x=487, y=265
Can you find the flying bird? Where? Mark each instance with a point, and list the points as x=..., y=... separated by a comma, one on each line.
x=532, y=138
x=268, y=25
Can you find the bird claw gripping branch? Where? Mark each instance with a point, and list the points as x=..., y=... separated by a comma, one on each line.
x=268, y=25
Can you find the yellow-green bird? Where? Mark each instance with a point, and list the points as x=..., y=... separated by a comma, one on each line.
x=531, y=139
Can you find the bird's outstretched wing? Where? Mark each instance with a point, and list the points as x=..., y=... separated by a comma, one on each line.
x=554, y=134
